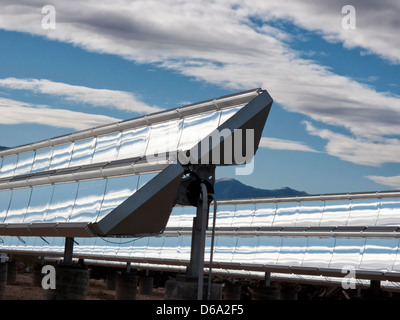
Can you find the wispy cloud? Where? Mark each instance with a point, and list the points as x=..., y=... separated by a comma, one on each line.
x=96, y=97
x=393, y=182
x=219, y=42
x=358, y=150
x=17, y=112
x=281, y=144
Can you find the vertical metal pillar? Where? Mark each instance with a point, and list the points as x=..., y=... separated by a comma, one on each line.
x=68, y=250
x=196, y=265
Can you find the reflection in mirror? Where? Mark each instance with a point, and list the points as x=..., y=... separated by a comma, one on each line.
x=84, y=246
x=268, y=250
x=164, y=138
x=111, y=246
x=184, y=248
x=117, y=191
x=292, y=251
x=197, y=127
x=83, y=152
x=42, y=160
x=39, y=204
x=133, y=143
x=125, y=247
x=264, y=215
x=363, y=212
x=228, y=113
x=225, y=214
x=389, y=212
x=61, y=156
x=107, y=147
x=286, y=214
x=5, y=198
x=379, y=254
x=18, y=205
x=88, y=201
x=144, y=178
x=245, y=251
x=175, y=217
x=319, y=252
x=25, y=162
x=187, y=217
x=62, y=202
x=154, y=247
x=224, y=248
x=169, y=250
x=244, y=215
x=8, y=167
x=336, y=213
x=347, y=252
x=139, y=247
x=310, y=214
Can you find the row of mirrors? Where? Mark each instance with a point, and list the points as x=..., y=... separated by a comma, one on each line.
x=170, y=136
x=361, y=253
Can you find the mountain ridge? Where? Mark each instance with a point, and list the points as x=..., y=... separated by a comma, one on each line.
x=228, y=188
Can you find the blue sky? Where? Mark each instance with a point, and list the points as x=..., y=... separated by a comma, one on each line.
x=334, y=125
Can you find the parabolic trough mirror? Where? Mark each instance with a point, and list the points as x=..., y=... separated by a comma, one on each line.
x=123, y=179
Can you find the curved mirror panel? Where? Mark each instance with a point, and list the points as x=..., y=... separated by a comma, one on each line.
x=264, y=215
x=83, y=152
x=268, y=250
x=286, y=214
x=224, y=248
x=88, y=201
x=25, y=162
x=139, y=247
x=228, y=113
x=336, y=213
x=292, y=251
x=245, y=251
x=117, y=191
x=39, y=204
x=188, y=214
x=174, y=220
x=107, y=147
x=319, y=252
x=389, y=213
x=347, y=252
x=195, y=128
x=154, y=247
x=144, y=178
x=169, y=250
x=379, y=254
x=5, y=199
x=19, y=203
x=8, y=167
x=133, y=143
x=164, y=138
x=61, y=156
x=309, y=214
x=42, y=160
x=244, y=215
x=62, y=202
x=364, y=212
x=184, y=248
x=225, y=215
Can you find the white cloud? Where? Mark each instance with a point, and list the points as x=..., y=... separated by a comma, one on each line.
x=358, y=150
x=386, y=181
x=281, y=144
x=17, y=112
x=96, y=97
x=218, y=42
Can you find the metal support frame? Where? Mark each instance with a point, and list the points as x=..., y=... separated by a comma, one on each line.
x=68, y=250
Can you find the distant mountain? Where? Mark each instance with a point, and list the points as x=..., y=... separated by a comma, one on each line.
x=234, y=189
x=3, y=148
